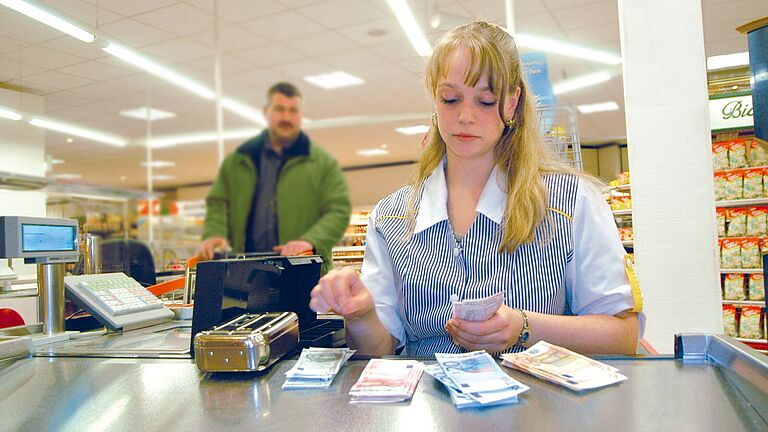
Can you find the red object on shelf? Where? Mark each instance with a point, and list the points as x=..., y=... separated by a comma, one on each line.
x=758, y=345
x=10, y=318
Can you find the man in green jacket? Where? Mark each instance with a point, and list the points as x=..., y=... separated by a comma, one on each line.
x=278, y=192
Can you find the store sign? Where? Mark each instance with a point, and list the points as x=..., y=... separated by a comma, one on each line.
x=731, y=113
x=143, y=206
x=537, y=72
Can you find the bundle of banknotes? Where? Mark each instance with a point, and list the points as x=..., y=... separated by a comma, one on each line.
x=564, y=367
x=385, y=380
x=316, y=368
x=476, y=309
x=474, y=379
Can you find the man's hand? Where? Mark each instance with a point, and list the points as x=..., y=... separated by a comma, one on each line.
x=208, y=247
x=295, y=247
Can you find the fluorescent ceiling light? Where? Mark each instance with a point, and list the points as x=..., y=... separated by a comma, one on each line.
x=373, y=152
x=200, y=137
x=159, y=70
x=147, y=114
x=66, y=176
x=10, y=115
x=49, y=19
x=580, y=82
x=566, y=49
x=598, y=107
x=333, y=80
x=244, y=111
x=57, y=161
x=79, y=131
x=413, y=130
x=410, y=27
x=727, y=60
x=159, y=164
x=162, y=177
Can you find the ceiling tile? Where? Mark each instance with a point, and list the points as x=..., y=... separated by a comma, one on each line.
x=339, y=13
x=352, y=57
x=25, y=29
x=542, y=24
x=591, y=14
x=736, y=12
x=44, y=57
x=180, y=19
x=178, y=50
x=134, y=33
x=231, y=38
x=72, y=98
x=239, y=10
x=9, y=44
x=383, y=30
x=96, y=70
x=298, y=3
x=320, y=44
x=84, y=12
x=75, y=47
x=608, y=32
x=104, y=90
x=302, y=68
x=394, y=50
x=271, y=54
x=285, y=25
x=13, y=70
x=133, y=7
x=59, y=79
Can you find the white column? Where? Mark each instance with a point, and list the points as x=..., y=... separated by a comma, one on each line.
x=665, y=93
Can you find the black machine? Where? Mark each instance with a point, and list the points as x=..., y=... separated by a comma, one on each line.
x=228, y=288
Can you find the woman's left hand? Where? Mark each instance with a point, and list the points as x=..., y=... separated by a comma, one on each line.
x=495, y=334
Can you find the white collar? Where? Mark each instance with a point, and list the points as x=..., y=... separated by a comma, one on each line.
x=434, y=199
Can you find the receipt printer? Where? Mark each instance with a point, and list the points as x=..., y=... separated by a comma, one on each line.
x=226, y=289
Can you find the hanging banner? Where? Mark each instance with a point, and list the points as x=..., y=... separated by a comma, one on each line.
x=535, y=68
x=735, y=112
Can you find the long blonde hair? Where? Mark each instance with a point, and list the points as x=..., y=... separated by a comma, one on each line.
x=520, y=152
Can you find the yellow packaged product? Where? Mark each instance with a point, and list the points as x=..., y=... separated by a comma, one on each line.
x=757, y=287
x=756, y=154
x=753, y=183
x=721, y=186
x=750, y=326
x=750, y=253
x=737, y=153
x=720, y=156
x=756, y=221
x=733, y=286
x=720, y=213
x=729, y=321
x=730, y=253
x=734, y=184
x=737, y=222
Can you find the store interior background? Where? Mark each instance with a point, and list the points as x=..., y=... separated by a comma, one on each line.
x=45, y=72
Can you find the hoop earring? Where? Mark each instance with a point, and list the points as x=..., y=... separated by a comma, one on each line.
x=434, y=119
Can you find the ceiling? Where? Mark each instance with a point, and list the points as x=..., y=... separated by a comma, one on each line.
x=271, y=40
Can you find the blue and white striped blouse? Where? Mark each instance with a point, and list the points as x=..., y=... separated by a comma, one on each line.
x=579, y=270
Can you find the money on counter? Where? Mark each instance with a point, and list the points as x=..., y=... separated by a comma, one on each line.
x=477, y=309
x=316, y=368
x=385, y=380
x=563, y=366
x=476, y=376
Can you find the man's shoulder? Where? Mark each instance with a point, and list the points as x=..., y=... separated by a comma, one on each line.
x=320, y=154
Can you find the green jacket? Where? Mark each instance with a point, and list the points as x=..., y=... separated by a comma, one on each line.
x=312, y=198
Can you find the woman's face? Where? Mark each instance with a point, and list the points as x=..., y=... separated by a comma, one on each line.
x=468, y=117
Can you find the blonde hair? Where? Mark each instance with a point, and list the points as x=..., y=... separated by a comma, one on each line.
x=520, y=152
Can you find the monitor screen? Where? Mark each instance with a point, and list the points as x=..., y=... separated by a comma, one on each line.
x=48, y=238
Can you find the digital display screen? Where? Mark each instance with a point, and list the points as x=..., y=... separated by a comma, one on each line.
x=48, y=238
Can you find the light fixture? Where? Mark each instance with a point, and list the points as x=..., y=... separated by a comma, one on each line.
x=161, y=177
x=70, y=140
x=413, y=130
x=49, y=19
x=159, y=164
x=728, y=60
x=79, y=131
x=373, y=152
x=66, y=176
x=565, y=48
x=597, y=107
x=580, y=82
x=244, y=111
x=199, y=137
x=411, y=28
x=159, y=70
x=333, y=80
x=147, y=114
x=10, y=115
x=57, y=161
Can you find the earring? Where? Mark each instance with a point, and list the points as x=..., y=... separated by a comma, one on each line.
x=434, y=119
x=510, y=123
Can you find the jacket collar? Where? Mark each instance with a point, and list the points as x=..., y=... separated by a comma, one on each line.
x=255, y=145
x=434, y=199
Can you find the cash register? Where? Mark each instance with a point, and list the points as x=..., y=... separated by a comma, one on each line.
x=228, y=288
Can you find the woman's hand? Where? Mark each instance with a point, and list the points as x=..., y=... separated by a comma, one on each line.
x=343, y=293
x=495, y=334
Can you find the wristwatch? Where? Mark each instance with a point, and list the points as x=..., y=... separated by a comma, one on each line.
x=525, y=331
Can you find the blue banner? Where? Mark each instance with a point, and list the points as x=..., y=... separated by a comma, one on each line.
x=535, y=68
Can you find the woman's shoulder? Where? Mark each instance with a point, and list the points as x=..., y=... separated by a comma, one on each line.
x=394, y=204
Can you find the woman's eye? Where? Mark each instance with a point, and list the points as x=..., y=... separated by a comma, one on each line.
x=449, y=101
x=488, y=103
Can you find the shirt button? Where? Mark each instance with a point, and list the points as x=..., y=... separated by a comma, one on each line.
x=455, y=251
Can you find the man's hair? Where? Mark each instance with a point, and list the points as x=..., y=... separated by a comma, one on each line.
x=284, y=88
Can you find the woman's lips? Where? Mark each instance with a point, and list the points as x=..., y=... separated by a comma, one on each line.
x=465, y=137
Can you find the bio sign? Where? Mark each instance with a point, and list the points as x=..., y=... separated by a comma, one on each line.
x=731, y=112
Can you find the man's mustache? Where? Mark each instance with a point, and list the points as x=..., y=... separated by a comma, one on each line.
x=286, y=124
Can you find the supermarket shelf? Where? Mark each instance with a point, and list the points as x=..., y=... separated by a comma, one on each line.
x=349, y=248
x=741, y=202
x=620, y=188
x=757, y=270
x=348, y=258
x=621, y=212
x=628, y=243
x=745, y=302
x=758, y=344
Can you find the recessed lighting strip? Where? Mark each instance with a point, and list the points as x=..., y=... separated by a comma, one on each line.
x=79, y=131
x=411, y=28
x=49, y=19
x=566, y=49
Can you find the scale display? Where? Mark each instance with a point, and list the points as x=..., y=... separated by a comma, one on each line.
x=38, y=239
x=48, y=238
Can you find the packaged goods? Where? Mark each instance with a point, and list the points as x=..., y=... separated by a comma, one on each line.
x=756, y=154
x=729, y=321
x=737, y=222
x=733, y=286
x=749, y=323
x=750, y=253
x=756, y=286
x=737, y=153
x=734, y=184
x=721, y=186
x=730, y=253
x=720, y=222
x=753, y=183
x=756, y=221
x=720, y=156
x=623, y=178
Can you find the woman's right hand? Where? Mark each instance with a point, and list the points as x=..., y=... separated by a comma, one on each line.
x=341, y=292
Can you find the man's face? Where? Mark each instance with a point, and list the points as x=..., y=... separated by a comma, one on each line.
x=283, y=117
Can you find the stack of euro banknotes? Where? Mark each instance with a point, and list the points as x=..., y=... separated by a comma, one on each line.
x=386, y=380
x=316, y=368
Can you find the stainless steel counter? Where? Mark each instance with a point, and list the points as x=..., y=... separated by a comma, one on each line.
x=82, y=394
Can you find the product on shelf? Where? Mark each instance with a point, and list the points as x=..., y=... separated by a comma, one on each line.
x=756, y=221
x=720, y=156
x=621, y=202
x=750, y=253
x=730, y=253
x=626, y=233
x=733, y=286
x=729, y=321
x=737, y=222
x=753, y=182
x=721, y=185
x=737, y=153
x=756, y=286
x=721, y=216
x=756, y=154
x=750, y=325
x=734, y=184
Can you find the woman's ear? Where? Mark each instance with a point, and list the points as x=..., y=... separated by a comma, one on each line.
x=510, y=105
